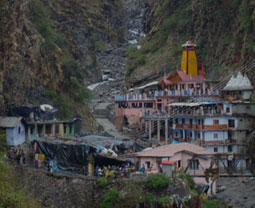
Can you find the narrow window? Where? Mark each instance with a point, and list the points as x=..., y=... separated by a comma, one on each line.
x=215, y=136
x=215, y=149
x=227, y=109
x=231, y=123
x=215, y=122
x=230, y=149
x=19, y=130
x=179, y=163
x=194, y=165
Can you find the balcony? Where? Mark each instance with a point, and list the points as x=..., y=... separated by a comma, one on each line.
x=189, y=126
x=163, y=93
x=219, y=142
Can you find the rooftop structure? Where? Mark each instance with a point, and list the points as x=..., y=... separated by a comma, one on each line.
x=14, y=129
x=187, y=157
x=239, y=82
x=178, y=85
x=9, y=122
x=170, y=150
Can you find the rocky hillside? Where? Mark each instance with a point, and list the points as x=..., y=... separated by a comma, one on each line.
x=48, y=51
x=223, y=31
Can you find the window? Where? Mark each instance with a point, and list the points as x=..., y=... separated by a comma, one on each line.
x=148, y=164
x=190, y=121
x=194, y=164
x=179, y=164
x=57, y=128
x=215, y=149
x=190, y=134
x=176, y=134
x=230, y=149
x=215, y=122
x=176, y=120
x=215, y=136
x=31, y=130
x=70, y=129
x=231, y=123
x=148, y=105
x=227, y=109
x=19, y=130
x=64, y=129
x=183, y=121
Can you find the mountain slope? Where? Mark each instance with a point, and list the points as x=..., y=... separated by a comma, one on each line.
x=223, y=31
x=48, y=51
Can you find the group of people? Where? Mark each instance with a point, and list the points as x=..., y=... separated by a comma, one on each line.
x=114, y=171
x=17, y=154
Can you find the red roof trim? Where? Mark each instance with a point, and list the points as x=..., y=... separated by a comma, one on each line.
x=167, y=162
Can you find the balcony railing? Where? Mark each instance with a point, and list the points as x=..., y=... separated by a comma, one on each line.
x=163, y=93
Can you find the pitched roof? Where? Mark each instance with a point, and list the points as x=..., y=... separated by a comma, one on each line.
x=238, y=82
x=9, y=122
x=171, y=149
x=183, y=77
x=186, y=77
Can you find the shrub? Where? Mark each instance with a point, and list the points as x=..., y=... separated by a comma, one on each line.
x=100, y=45
x=111, y=199
x=157, y=181
x=212, y=203
x=189, y=179
x=149, y=198
x=12, y=194
x=43, y=24
x=245, y=15
x=164, y=200
x=102, y=182
x=2, y=140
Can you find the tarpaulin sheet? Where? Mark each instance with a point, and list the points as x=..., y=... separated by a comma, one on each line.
x=68, y=156
x=117, y=145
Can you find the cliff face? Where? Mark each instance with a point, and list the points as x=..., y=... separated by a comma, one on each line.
x=223, y=31
x=48, y=51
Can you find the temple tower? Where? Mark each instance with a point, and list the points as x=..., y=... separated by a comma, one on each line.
x=189, y=62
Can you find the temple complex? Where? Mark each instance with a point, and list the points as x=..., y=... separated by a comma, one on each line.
x=153, y=99
x=184, y=106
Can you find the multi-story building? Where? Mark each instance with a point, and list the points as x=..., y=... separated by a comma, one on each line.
x=179, y=85
x=220, y=127
x=189, y=108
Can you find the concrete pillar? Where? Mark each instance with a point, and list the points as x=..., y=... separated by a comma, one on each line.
x=28, y=134
x=90, y=165
x=53, y=130
x=158, y=126
x=166, y=130
x=36, y=132
x=204, y=88
x=178, y=89
x=146, y=127
x=150, y=129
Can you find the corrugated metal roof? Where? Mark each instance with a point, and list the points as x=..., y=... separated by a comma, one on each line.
x=171, y=149
x=9, y=122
